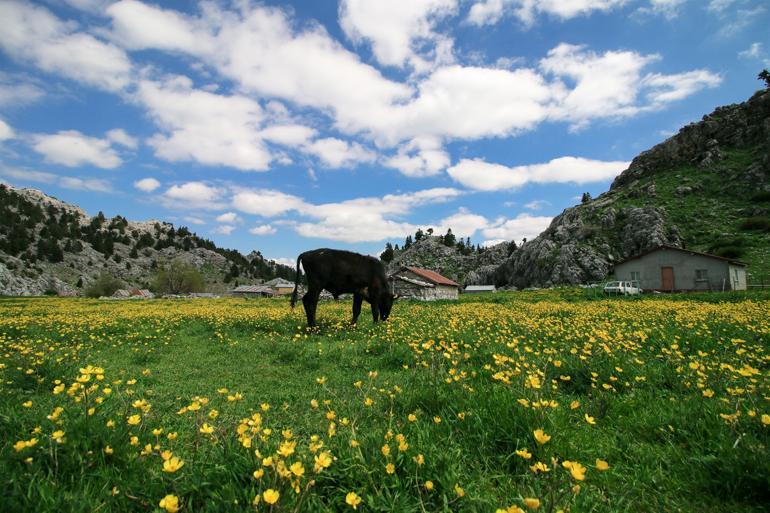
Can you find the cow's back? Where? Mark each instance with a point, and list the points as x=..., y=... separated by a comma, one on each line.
x=340, y=271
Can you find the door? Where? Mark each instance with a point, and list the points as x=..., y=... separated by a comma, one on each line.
x=667, y=278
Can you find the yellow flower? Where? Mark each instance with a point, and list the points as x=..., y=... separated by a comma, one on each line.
x=133, y=420
x=437, y=420
x=297, y=469
x=259, y=473
x=170, y=503
x=577, y=470
x=172, y=464
x=157, y=431
x=28, y=404
x=385, y=450
x=428, y=485
x=541, y=437
x=524, y=453
x=206, y=429
x=602, y=465
x=412, y=417
x=286, y=449
x=532, y=503
x=194, y=406
x=590, y=419
x=267, y=462
x=419, y=459
x=213, y=414
x=271, y=496
x=171, y=436
x=166, y=455
x=353, y=500
x=322, y=461
x=58, y=436
x=766, y=419
x=108, y=450
x=574, y=405
x=368, y=402
x=264, y=406
x=459, y=491
x=708, y=393
x=390, y=468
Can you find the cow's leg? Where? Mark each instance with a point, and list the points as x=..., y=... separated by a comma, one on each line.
x=357, y=300
x=310, y=302
x=375, y=312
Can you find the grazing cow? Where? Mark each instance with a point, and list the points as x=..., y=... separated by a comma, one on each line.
x=342, y=272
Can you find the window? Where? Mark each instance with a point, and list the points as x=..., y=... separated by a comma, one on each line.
x=701, y=274
x=636, y=276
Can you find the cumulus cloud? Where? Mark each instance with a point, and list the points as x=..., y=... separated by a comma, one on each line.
x=521, y=226
x=194, y=195
x=486, y=12
x=536, y=204
x=480, y=175
x=266, y=202
x=71, y=148
x=228, y=217
x=755, y=52
x=32, y=34
x=399, y=30
x=16, y=91
x=6, y=132
x=335, y=152
x=422, y=156
x=610, y=84
x=147, y=184
x=194, y=220
x=119, y=136
x=262, y=229
x=223, y=229
x=67, y=182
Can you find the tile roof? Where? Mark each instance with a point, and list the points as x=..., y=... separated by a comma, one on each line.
x=690, y=252
x=431, y=276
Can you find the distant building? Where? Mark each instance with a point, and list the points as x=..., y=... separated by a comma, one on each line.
x=252, y=291
x=479, y=289
x=423, y=284
x=280, y=286
x=668, y=268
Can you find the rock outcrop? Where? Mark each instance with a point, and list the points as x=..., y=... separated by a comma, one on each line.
x=657, y=199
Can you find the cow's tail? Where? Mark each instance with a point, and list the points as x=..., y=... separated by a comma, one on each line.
x=296, y=284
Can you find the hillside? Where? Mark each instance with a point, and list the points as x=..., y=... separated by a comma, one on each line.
x=47, y=245
x=706, y=188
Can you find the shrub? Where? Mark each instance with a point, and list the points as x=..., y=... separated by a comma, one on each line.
x=757, y=223
x=105, y=285
x=729, y=251
x=178, y=277
x=761, y=196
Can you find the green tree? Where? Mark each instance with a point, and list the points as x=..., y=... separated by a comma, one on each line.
x=449, y=238
x=105, y=285
x=418, y=235
x=764, y=75
x=387, y=255
x=178, y=277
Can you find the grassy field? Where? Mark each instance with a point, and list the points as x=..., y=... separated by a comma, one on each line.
x=536, y=401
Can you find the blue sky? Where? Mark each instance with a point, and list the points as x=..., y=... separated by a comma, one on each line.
x=287, y=126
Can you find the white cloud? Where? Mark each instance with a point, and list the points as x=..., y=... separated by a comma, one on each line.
x=536, y=204
x=422, y=156
x=147, y=184
x=71, y=148
x=204, y=127
x=463, y=223
x=399, y=30
x=486, y=12
x=6, y=132
x=666, y=8
x=755, y=52
x=16, y=91
x=68, y=182
x=289, y=135
x=194, y=220
x=336, y=153
x=223, y=229
x=263, y=229
x=32, y=34
x=522, y=226
x=194, y=195
x=265, y=202
x=480, y=175
x=89, y=5
x=609, y=85
x=119, y=136
x=229, y=217
x=290, y=262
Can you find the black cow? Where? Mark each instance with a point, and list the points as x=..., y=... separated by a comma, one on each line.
x=342, y=272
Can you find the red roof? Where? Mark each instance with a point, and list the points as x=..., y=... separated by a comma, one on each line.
x=431, y=276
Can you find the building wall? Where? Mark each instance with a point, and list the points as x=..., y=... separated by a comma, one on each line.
x=685, y=266
x=738, y=277
x=413, y=291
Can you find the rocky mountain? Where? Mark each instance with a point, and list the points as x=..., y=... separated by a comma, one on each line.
x=706, y=188
x=49, y=246
x=465, y=266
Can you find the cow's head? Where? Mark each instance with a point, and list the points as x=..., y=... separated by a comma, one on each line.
x=386, y=304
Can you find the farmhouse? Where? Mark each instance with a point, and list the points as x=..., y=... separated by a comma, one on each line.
x=479, y=289
x=668, y=268
x=422, y=284
x=280, y=286
x=252, y=291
